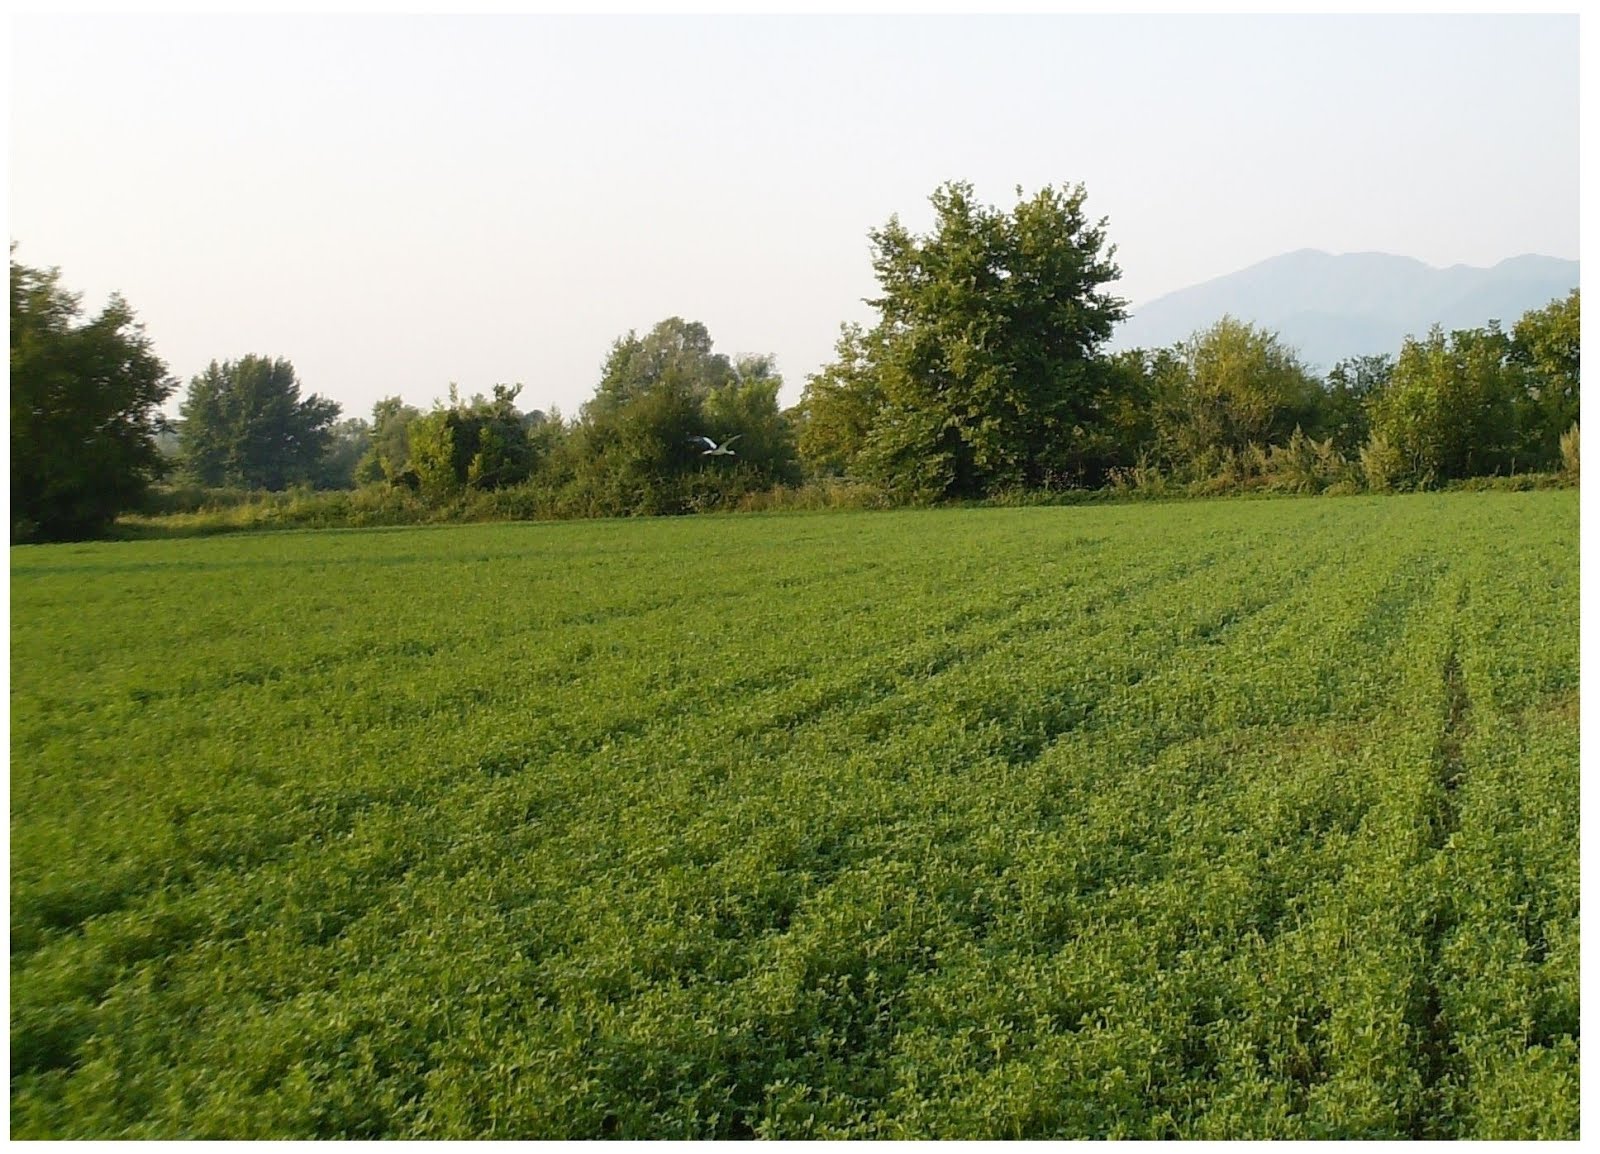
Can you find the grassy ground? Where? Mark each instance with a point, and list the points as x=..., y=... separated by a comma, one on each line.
x=1231, y=819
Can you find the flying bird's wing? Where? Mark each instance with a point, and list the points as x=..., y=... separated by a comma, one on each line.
x=706, y=441
x=731, y=440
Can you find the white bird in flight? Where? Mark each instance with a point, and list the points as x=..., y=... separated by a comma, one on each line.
x=712, y=449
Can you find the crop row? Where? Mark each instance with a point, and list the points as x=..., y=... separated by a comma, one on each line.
x=1249, y=819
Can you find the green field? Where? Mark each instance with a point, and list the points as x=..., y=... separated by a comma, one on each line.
x=1214, y=820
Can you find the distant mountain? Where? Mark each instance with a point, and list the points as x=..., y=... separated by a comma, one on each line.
x=1331, y=307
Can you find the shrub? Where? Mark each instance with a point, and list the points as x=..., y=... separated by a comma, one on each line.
x=1382, y=464
x=167, y=499
x=1305, y=466
x=821, y=493
x=1143, y=479
x=1569, y=452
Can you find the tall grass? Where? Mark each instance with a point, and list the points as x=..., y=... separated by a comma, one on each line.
x=1301, y=467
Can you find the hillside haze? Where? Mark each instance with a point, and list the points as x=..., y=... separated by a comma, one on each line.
x=1329, y=307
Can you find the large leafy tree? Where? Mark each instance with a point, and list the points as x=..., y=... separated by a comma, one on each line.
x=985, y=358
x=674, y=351
x=85, y=413
x=245, y=424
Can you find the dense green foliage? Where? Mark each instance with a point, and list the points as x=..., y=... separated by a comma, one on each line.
x=982, y=372
x=1545, y=342
x=976, y=385
x=244, y=423
x=1451, y=406
x=1348, y=392
x=1222, y=820
x=984, y=377
x=632, y=450
x=388, y=455
x=481, y=444
x=840, y=403
x=1225, y=390
x=347, y=446
x=85, y=413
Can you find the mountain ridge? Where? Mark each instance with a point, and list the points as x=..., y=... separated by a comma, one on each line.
x=1330, y=306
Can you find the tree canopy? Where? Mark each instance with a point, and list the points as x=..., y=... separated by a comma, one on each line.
x=1452, y=406
x=1227, y=388
x=245, y=424
x=388, y=455
x=985, y=371
x=85, y=410
x=1545, y=343
x=481, y=444
x=981, y=372
x=634, y=449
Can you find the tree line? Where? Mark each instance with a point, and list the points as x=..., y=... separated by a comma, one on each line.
x=985, y=373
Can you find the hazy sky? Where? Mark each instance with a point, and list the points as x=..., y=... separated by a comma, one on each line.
x=397, y=202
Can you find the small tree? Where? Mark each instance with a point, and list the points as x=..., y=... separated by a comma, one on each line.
x=840, y=403
x=632, y=448
x=388, y=455
x=433, y=457
x=1226, y=389
x=348, y=444
x=481, y=444
x=1546, y=344
x=245, y=424
x=1450, y=407
x=84, y=411
x=1350, y=386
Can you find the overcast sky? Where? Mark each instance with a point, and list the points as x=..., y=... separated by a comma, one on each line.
x=398, y=202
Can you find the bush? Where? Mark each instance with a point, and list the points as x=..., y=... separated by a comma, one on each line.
x=164, y=500
x=196, y=511
x=1143, y=479
x=1382, y=464
x=822, y=493
x=1569, y=452
x=1306, y=466
x=1513, y=483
